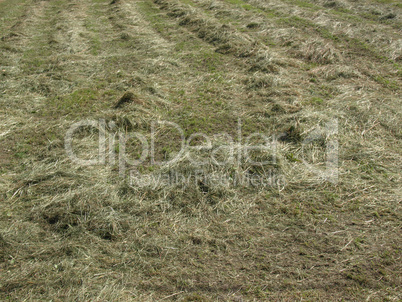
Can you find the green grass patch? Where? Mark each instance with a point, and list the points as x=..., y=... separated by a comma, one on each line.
x=81, y=102
x=389, y=83
x=316, y=101
x=245, y=6
x=11, y=11
x=153, y=15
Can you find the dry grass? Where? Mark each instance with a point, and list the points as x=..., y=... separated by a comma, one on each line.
x=284, y=68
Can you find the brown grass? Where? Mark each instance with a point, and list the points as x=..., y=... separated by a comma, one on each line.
x=285, y=68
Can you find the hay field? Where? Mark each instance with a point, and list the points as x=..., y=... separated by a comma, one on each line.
x=129, y=159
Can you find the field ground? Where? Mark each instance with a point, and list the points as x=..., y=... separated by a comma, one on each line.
x=70, y=232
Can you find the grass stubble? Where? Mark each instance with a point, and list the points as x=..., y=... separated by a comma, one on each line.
x=81, y=233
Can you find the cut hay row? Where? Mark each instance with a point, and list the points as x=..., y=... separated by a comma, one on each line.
x=225, y=38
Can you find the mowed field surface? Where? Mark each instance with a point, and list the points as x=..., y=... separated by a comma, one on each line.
x=70, y=232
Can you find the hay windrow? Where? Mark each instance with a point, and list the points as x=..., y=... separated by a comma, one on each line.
x=223, y=37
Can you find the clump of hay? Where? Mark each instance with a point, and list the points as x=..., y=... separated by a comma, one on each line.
x=128, y=97
x=319, y=52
